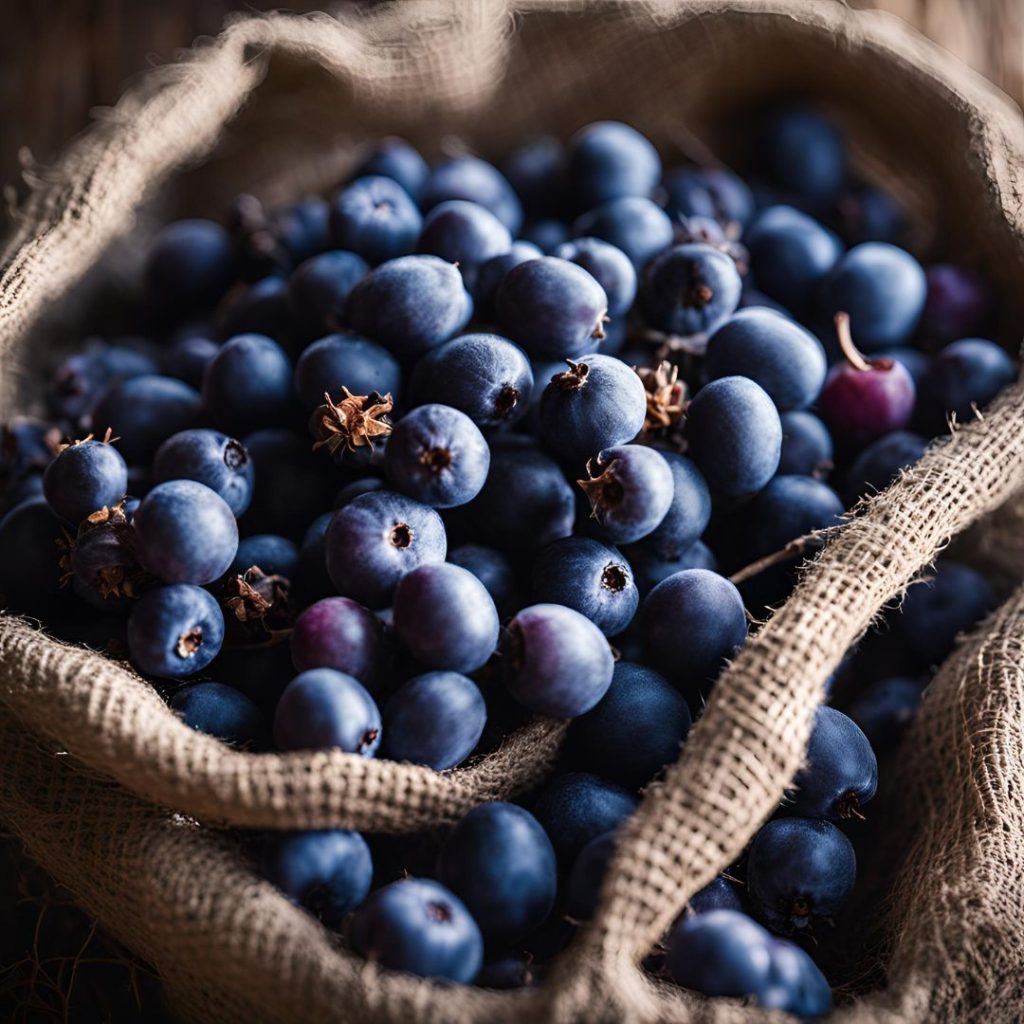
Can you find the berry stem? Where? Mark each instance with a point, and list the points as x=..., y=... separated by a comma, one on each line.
x=793, y=548
x=850, y=351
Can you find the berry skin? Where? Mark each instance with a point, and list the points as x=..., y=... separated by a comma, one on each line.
x=437, y=455
x=82, y=377
x=345, y=361
x=223, y=712
x=556, y=662
x=638, y=727
x=630, y=491
x=959, y=304
x=103, y=559
x=187, y=356
x=338, y=633
x=376, y=539
x=882, y=287
x=435, y=719
x=534, y=170
x=210, y=458
x=420, y=927
x=375, y=218
x=143, y=412
x=587, y=876
x=261, y=308
x=175, y=631
x=494, y=571
x=799, y=870
x=410, y=305
x=30, y=579
x=841, y=773
x=328, y=872
x=552, y=308
x=318, y=290
x=302, y=228
x=885, y=708
x=576, y=807
x=709, y=192
x=650, y=567
x=608, y=160
x=483, y=375
x=590, y=578
x=185, y=533
x=879, y=464
x=396, y=159
x=805, y=154
x=493, y=272
x=868, y=214
x=806, y=445
x=773, y=351
x=964, y=376
x=499, y=860
x=445, y=618
x=322, y=709
x=718, y=894
x=633, y=224
x=734, y=435
x=272, y=555
x=466, y=234
x=476, y=181
x=547, y=235
x=83, y=478
x=690, y=289
x=190, y=265
x=609, y=266
x=715, y=627
x=599, y=402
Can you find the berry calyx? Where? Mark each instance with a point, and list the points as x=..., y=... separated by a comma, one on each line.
x=352, y=423
x=572, y=379
x=602, y=488
x=666, y=396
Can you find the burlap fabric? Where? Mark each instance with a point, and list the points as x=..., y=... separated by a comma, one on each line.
x=115, y=816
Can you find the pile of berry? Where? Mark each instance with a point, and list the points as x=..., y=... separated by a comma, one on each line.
x=459, y=446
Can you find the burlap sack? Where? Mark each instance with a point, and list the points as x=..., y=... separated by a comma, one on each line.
x=103, y=820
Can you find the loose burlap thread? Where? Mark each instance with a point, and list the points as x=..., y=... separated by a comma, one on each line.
x=228, y=946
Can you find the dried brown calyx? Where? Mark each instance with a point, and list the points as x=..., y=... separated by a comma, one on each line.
x=190, y=642
x=602, y=487
x=598, y=332
x=666, y=396
x=101, y=553
x=259, y=607
x=723, y=238
x=507, y=400
x=351, y=424
x=614, y=578
x=572, y=379
x=107, y=438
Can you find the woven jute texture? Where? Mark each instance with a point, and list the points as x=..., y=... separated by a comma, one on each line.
x=119, y=801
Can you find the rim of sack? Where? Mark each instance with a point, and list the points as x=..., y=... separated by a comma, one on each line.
x=972, y=469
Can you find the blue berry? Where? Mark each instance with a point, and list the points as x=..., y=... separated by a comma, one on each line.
x=30, y=580
x=318, y=290
x=190, y=265
x=608, y=160
x=885, y=708
x=248, y=385
x=341, y=361
x=187, y=357
x=589, y=577
x=687, y=517
x=556, y=661
x=175, y=631
x=223, y=712
x=437, y=455
x=805, y=154
x=609, y=266
x=587, y=876
x=435, y=719
x=494, y=571
x=85, y=477
x=719, y=894
x=322, y=709
x=493, y=272
x=535, y=171
x=466, y=234
x=83, y=377
x=547, y=235
x=959, y=303
x=328, y=872
x=806, y=445
x=185, y=533
x=475, y=180
x=261, y=308
x=396, y=159
x=868, y=214
x=965, y=376
x=376, y=539
x=445, y=618
x=211, y=458
x=376, y=218
x=881, y=461
x=420, y=927
x=651, y=565
x=710, y=192
x=599, y=402
x=272, y=555
x=636, y=225
x=302, y=228
x=638, y=727
x=338, y=633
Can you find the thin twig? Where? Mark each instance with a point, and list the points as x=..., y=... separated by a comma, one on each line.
x=791, y=550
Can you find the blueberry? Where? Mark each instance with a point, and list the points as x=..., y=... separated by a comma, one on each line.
x=799, y=870
x=321, y=709
x=507, y=972
x=420, y=927
x=936, y=611
x=959, y=303
x=587, y=876
x=599, y=402
x=840, y=774
x=144, y=411
x=211, y=458
x=535, y=171
x=318, y=290
x=477, y=181
x=223, y=712
x=85, y=477
x=547, y=235
x=494, y=571
x=466, y=234
x=962, y=379
x=688, y=515
x=376, y=218
x=630, y=491
x=806, y=445
x=708, y=192
x=435, y=719
x=261, y=308
x=715, y=626
x=190, y=265
x=885, y=708
x=187, y=357
x=500, y=861
x=437, y=455
x=637, y=226
x=805, y=154
x=552, y=307
x=272, y=555
x=773, y=351
x=881, y=461
x=719, y=894
x=396, y=159
x=690, y=289
x=734, y=435
x=790, y=254
x=302, y=228
x=312, y=582
x=869, y=214
x=555, y=661
x=445, y=617
x=175, y=631
x=608, y=160
x=577, y=807
x=637, y=728
x=652, y=564
x=345, y=361
x=483, y=375
x=362, y=485
x=376, y=539
x=410, y=304
x=493, y=272
x=104, y=561
x=82, y=378
x=328, y=872
x=338, y=633
x=30, y=580
x=608, y=265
